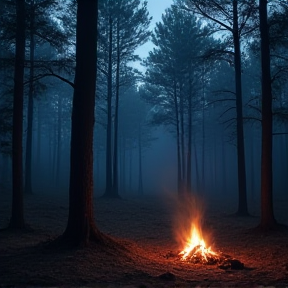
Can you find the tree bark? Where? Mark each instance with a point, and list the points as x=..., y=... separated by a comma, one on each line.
x=130, y=167
x=116, y=124
x=189, y=144
x=108, y=190
x=140, y=179
x=123, y=164
x=182, y=137
x=28, y=160
x=17, y=216
x=179, y=170
x=267, y=213
x=59, y=141
x=81, y=225
x=39, y=128
x=203, y=184
x=242, y=193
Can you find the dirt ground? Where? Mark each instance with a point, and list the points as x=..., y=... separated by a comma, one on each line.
x=145, y=228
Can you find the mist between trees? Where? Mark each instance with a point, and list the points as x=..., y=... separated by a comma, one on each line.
x=190, y=121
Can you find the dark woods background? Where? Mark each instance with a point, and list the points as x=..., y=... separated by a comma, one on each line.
x=194, y=115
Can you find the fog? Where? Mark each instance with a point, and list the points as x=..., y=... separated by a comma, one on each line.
x=216, y=176
x=136, y=151
x=147, y=120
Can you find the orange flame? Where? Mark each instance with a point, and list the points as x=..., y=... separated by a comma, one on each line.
x=196, y=248
x=189, y=214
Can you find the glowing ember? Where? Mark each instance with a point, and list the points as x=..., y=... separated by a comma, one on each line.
x=196, y=250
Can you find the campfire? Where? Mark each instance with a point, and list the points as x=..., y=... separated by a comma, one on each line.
x=196, y=250
x=194, y=247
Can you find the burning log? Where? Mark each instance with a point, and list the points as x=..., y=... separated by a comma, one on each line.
x=225, y=262
x=196, y=251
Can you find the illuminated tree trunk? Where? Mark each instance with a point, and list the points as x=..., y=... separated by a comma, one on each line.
x=267, y=214
x=81, y=226
x=17, y=216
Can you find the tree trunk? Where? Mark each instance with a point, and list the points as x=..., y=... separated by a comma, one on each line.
x=108, y=190
x=122, y=164
x=116, y=124
x=54, y=160
x=28, y=160
x=59, y=140
x=130, y=169
x=203, y=133
x=189, y=144
x=140, y=183
x=267, y=214
x=179, y=170
x=242, y=193
x=223, y=154
x=39, y=128
x=182, y=134
x=197, y=177
x=252, y=166
x=17, y=215
x=81, y=226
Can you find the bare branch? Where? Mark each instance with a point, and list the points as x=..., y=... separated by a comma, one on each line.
x=226, y=111
x=204, y=14
x=40, y=76
x=220, y=100
x=280, y=133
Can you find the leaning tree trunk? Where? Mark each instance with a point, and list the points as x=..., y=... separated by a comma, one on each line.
x=81, y=226
x=242, y=193
x=17, y=215
x=267, y=214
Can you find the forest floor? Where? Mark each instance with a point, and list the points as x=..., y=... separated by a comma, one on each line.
x=145, y=229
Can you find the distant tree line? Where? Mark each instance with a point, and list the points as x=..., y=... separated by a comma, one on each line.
x=196, y=44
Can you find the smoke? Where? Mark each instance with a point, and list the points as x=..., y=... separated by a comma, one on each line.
x=189, y=212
